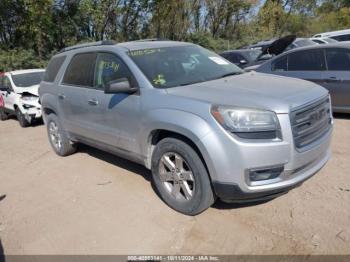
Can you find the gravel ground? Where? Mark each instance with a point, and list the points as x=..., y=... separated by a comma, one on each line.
x=96, y=203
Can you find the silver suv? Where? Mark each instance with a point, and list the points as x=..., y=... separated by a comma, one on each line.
x=205, y=129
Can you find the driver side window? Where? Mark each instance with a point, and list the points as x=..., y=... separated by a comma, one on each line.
x=110, y=68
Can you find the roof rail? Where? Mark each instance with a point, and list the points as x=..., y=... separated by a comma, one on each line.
x=99, y=43
x=151, y=39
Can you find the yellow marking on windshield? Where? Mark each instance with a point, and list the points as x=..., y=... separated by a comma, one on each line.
x=109, y=65
x=144, y=52
x=159, y=80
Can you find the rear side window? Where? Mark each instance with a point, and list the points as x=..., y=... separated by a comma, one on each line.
x=308, y=60
x=80, y=71
x=280, y=64
x=338, y=59
x=53, y=68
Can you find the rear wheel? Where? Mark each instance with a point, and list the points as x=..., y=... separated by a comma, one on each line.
x=59, y=141
x=21, y=118
x=181, y=178
x=3, y=114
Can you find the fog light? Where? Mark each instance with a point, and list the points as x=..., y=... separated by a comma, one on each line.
x=265, y=174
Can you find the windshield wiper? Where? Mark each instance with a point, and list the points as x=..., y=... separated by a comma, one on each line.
x=191, y=83
x=229, y=74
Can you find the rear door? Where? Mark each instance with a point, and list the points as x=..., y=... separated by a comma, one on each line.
x=73, y=91
x=337, y=76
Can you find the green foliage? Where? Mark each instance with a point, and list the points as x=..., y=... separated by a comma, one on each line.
x=30, y=30
x=19, y=58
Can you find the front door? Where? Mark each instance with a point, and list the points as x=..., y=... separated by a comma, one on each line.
x=308, y=65
x=115, y=117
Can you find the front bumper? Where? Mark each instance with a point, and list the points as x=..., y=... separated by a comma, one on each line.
x=232, y=193
x=229, y=159
x=33, y=112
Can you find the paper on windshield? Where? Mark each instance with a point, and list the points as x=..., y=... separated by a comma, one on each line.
x=218, y=60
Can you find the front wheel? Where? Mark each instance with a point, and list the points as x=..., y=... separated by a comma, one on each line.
x=23, y=122
x=181, y=178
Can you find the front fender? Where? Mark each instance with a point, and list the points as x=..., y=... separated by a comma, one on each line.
x=184, y=123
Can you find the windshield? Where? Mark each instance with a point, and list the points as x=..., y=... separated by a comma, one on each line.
x=330, y=40
x=27, y=79
x=253, y=54
x=181, y=65
x=304, y=42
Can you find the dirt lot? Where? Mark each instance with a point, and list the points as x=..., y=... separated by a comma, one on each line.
x=96, y=203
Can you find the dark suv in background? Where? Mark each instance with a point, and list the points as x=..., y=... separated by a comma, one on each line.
x=326, y=65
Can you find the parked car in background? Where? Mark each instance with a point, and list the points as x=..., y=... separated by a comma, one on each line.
x=241, y=57
x=292, y=40
x=205, y=129
x=323, y=40
x=326, y=65
x=252, y=56
x=341, y=35
x=19, y=92
x=300, y=42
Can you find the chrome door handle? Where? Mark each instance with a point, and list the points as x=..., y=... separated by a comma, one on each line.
x=61, y=96
x=93, y=102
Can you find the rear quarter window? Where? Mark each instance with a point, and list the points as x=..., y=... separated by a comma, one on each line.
x=53, y=68
x=80, y=71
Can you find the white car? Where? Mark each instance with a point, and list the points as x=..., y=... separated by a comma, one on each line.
x=19, y=95
x=341, y=35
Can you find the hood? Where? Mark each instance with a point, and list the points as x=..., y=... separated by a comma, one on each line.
x=33, y=90
x=254, y=90
x=278, y=46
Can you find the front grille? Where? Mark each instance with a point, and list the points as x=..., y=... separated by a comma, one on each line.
x=311, y=122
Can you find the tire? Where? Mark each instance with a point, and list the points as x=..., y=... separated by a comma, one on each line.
x=183, y=184
x=58, y=139
x=21, y=119
x=3, y=115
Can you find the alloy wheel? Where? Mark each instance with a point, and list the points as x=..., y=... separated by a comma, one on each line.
x=176, y=176
x=55, y=136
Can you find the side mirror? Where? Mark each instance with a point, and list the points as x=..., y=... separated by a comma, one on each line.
x=243, y=62
x=120, y=86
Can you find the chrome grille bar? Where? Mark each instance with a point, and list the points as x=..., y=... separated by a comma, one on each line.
x=311, y=122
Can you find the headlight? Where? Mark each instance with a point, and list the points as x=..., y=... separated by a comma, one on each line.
x=26, y=106
x=248, y=123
